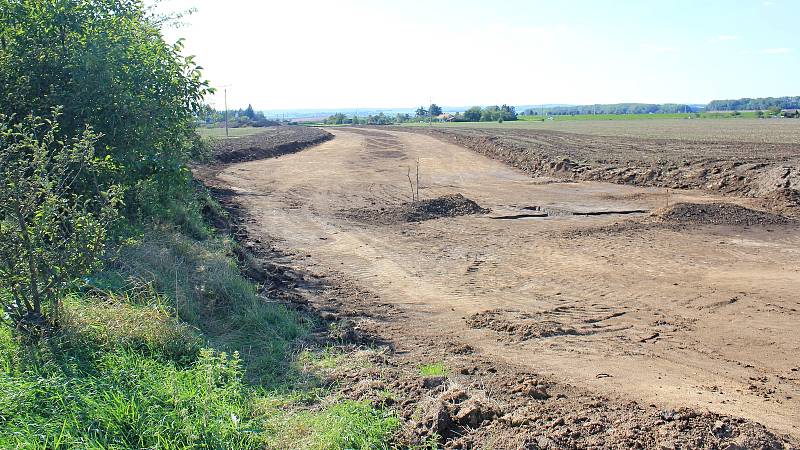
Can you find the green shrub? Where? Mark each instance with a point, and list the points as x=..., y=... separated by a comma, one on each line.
x=51, y=232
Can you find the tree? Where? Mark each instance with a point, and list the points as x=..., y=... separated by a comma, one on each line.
x=490, y=113
x=336, y=119
x=49, y=234
x=107, y=64
x=473, y=114
x=249, y=112
x=435, y=110
x=421, y=112
x=508, y=113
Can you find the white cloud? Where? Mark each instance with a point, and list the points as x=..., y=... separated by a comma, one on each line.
x=776, y=51
x=723, y=38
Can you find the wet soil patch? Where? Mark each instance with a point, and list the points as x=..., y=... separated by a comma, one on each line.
x=453, y=205
x=540, y=212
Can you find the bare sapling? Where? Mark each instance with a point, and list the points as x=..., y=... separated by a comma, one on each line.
x=414, y=188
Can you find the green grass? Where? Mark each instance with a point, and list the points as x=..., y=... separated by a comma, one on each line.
x=232, y=132
x=437, y=369
x=609, y=117
x=170, y=347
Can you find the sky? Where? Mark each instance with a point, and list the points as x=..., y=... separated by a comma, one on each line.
x=294, y=54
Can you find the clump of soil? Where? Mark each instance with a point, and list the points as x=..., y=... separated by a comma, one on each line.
x=720, y=214
x=517, y=327
x=452, y=205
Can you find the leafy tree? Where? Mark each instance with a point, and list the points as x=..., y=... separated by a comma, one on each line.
x=508, y=113
x=49, y=234
x=249, y=112
x=490, y=114
x=435, y=110
x=379, y=119
x=336, y=119
x=774, y=110
x=421, y=112
x=473, y=114
x=107, y=64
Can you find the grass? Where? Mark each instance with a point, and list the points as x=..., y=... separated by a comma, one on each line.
x=232, y=132
x=609, y=117
x=169, y=347
x=437, y=369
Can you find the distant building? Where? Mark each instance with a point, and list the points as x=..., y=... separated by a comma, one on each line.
x=445, y=117
x=790, y=113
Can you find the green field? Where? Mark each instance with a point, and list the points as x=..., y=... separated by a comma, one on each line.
x=708, y=115
x=232, y=132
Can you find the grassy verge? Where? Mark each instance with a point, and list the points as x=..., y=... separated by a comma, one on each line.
x=219, y=132
x=170, y=347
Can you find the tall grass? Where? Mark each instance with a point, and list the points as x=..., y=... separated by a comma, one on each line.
x=170, y=347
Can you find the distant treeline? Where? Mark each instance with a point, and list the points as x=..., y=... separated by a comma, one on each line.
x=433, y=113
x=755, y=104
x=247, y=117
x=616, y=108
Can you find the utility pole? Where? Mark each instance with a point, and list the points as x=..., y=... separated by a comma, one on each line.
x=430, y=115
x=225, y=91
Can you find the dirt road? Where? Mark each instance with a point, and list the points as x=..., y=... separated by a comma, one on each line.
x=675, y=316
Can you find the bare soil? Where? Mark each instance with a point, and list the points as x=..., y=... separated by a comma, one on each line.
x=569, y=316
x=766, y=170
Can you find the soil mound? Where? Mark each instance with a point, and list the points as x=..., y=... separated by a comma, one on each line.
x=269, y=143
x=452, y=205
x=720, y=214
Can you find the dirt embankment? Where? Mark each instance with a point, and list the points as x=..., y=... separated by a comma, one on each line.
x=274, y=141
x=769, y=171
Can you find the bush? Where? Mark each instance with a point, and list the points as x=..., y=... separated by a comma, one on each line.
x=51, y=230
x=107, y=65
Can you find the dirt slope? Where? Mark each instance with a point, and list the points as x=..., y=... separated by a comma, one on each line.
x=595, y=302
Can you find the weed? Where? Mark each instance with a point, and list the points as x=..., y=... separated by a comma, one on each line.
x=433, y=370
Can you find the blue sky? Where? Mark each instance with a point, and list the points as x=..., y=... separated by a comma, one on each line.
x=360, y=53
